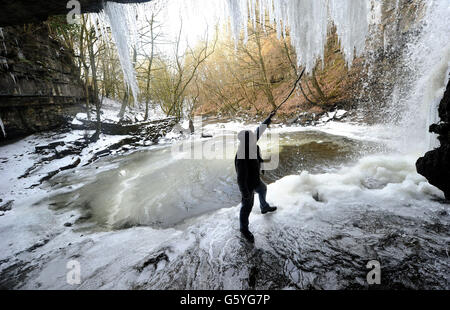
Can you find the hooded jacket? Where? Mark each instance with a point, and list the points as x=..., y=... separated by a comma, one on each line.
x=248, y=168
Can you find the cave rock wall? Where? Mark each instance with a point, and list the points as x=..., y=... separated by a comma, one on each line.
x=40, y=88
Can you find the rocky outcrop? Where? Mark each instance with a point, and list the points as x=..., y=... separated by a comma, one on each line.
x=435, y=165
x=39, y=82
x=149, y=129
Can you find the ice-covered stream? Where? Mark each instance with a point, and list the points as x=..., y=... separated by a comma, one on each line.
x=160, y=188
x=150, y=220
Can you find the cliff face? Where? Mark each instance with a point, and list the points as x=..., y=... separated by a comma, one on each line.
x=398, y=22
x=435, y=165
x=39, y=82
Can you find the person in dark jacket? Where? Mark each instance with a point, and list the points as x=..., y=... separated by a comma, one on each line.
x=248, y=166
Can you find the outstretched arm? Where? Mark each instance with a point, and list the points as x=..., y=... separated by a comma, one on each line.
x=260, y=130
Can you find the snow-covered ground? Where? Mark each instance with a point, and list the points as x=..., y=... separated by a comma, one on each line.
x=328, y=225
x=111, y=108
x=19, y=156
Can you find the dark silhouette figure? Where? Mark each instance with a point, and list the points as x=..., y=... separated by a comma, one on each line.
x=248, y=167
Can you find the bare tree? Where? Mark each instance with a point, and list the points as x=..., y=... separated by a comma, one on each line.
x=149, y=37
x=172, y=85
x=88, y=40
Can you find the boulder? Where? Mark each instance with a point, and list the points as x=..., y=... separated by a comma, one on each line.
x=435, y=164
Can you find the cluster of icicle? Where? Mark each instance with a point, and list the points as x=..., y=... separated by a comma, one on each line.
x=307, y=21
x=121, y=19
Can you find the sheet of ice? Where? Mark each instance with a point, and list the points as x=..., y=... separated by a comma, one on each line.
x=17, y=157
x=363, y=132
x=117, y=259
x=377, y=183
x=378, y=179
x=209, y=246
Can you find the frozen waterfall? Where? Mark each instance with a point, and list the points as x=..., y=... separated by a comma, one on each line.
x=307, y=21
x=122, y=21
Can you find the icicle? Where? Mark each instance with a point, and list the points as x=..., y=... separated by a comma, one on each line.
x=235, y=15
x=4, y=63
x=124, y=34
x=2, y=126
x=307, y=21
x=99, y=20
x=2, y=37
x=13, y=77
x=350, y=18
x=253, y=13
x=244, y=16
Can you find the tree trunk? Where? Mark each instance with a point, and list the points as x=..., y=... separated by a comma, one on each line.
x=294, y=68
x=86, y=85
x=149, y=71
x=98, y=104
x=316, y=85
x=124, y=103
x=267, y=85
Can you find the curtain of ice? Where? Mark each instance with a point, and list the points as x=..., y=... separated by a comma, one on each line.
x=308, y=24
x=307, y=21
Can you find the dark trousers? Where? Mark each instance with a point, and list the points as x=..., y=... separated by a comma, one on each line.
x=247, y=204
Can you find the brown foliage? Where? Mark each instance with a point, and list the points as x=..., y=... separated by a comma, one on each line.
x=254, y=76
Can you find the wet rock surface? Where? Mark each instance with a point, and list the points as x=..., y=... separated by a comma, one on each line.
x=386, y=71
x=211, y=255
x=150, y=130
x=6, y=206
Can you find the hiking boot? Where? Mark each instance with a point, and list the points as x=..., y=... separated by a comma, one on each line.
x=248, y=236
x=268, y=209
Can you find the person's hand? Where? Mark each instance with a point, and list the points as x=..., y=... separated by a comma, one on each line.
x=268, y=120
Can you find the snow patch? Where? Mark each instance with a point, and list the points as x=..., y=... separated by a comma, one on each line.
x=381, y=180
